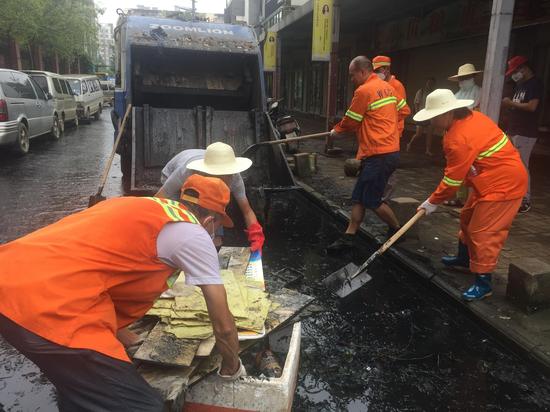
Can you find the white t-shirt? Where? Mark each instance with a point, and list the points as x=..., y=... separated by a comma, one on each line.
x=188, y=247
x=175, y=173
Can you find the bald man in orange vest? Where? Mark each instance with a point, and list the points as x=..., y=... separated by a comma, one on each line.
x=70, y=287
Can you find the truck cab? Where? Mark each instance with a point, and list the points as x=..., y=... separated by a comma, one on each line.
x=190, y=84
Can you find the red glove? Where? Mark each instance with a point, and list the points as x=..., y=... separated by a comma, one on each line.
x=255, y=237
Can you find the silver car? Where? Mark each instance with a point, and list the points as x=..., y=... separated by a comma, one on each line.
x=25, y=111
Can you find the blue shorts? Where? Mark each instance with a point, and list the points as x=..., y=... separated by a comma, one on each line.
x=370, y=185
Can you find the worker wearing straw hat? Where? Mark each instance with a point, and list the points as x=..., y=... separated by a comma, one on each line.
x=218, y=160
x=468, y=89
x=480, y=155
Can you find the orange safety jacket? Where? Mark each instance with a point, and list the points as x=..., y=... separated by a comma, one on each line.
x=373, y=116
x=79, y=280
x=403, y=108
x=480, y=155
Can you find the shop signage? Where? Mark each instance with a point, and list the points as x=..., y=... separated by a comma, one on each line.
x=321, y=44
x=270, y=51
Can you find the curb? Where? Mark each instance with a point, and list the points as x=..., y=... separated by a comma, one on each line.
x=485, y=313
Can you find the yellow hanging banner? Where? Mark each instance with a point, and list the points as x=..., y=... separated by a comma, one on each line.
x=321, y=44
x=270, y=51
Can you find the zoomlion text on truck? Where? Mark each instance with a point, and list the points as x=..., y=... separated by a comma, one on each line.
x=190, y=84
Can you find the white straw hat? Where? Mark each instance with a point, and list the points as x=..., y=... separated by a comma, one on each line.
x=465, y=70
x=438, y=102
x=219, y=160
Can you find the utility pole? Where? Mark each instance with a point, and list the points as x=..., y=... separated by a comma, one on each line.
x=495, y=59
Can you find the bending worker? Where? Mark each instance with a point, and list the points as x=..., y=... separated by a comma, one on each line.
x=480, y=155
x=217, y=160
x=372, y=115
x=68, y=288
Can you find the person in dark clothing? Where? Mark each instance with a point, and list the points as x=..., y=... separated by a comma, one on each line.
x=523, y=113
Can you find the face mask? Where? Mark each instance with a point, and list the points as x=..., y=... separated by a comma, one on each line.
x=213, y=232
x=381, y=75
x=517, y=76
x=466, y=84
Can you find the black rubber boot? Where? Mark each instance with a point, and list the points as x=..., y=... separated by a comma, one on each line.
x=344, y=243
x=462, y=259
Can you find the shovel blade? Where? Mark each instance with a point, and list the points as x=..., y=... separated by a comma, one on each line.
x=339, y=282
x=95, y=199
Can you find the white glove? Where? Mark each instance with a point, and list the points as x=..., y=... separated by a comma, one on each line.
x=333, y=133
x=428, y=207
x=240, y=372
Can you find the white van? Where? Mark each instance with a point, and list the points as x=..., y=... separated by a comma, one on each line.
x=88, y=95
x=62, y=94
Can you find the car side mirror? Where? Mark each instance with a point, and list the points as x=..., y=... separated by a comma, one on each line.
x=49, y=96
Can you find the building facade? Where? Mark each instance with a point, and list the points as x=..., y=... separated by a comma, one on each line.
x=106, y=47
x=425, y=38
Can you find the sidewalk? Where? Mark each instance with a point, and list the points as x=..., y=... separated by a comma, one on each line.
x=417, y=176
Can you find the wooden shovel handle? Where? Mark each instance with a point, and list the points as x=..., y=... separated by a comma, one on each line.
x=401, y=231
x=117, y=141
x=296, y=139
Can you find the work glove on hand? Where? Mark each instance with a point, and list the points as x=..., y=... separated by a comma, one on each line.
x=255, y=237
x=240, y=372
x=428, y=207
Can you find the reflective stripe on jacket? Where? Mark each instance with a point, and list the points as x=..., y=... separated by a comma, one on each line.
x=79, y=280
x=403, y=108
x=481, y=156
x=373, y=116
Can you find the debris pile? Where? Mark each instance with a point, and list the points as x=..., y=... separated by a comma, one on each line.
x=183, y=309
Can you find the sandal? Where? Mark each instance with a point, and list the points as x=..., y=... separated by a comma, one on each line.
x=453, y=203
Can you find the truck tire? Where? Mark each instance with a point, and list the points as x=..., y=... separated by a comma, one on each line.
x=22, y=145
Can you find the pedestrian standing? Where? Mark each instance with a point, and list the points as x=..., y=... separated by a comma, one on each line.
x=523, y=113
x=480, y=155
x=69, y=288
x=424, y=127
x=217, y=160
x=373, y=116
x=467, y=87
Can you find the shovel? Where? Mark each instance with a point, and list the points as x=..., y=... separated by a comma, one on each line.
x=350, y=278
x=251, y=149
x=94, y=199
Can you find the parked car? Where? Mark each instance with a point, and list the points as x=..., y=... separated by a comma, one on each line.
x=88, y=95
x=26, y=111
x=108, y=92
x=64, y=102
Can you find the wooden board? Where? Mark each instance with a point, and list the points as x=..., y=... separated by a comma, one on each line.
x=206, y=347
x=238, y=258
x=165, y=348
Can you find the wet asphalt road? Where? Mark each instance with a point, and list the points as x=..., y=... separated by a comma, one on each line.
x=53, y=180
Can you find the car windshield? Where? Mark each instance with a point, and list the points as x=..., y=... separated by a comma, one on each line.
x=75, y=85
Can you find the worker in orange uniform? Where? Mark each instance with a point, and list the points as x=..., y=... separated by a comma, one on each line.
x=372, y=115
x=480, y=155
x=68, y=288
x=382, y=68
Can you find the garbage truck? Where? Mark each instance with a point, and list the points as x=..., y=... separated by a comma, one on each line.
x=190, y=84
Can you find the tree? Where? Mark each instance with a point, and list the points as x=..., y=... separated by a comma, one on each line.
x=67, y=27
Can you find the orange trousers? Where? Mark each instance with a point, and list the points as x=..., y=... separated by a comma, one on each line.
x=484, y=227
